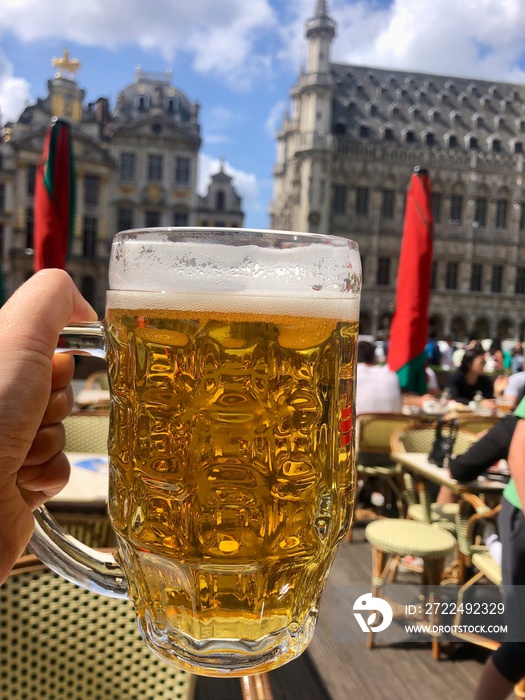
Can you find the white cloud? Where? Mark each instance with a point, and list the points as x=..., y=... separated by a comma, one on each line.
x=220, y=38
x=14, y=92
x=478, y=38
x=469, y=38
x=245, y=183
x=275, y=117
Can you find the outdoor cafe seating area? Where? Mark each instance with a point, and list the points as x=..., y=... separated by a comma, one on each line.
x=392, y=458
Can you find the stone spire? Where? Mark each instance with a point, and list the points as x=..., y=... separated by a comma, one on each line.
x=321, y=10
x=321, y=22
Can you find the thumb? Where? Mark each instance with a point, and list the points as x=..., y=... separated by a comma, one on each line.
x=30, y=323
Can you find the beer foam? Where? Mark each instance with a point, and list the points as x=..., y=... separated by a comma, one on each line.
x=235, y=270
x=342, y=308
x=179, y=260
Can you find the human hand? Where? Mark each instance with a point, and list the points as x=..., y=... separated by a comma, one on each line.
x=500, y=384
x=35, y=395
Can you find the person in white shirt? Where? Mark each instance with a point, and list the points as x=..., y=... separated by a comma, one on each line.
x=377, y=387
x=447, y=349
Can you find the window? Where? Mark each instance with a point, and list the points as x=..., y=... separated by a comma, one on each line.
x=182, y=171
x=476, y=278
x=430, y=139
x=388, y=204
x=91, y=190
x=89, y=233
x=154, y=167
x=180, y=218
x=220, y=201
x=522, y=216
x=437, y=201
x=452, y=141
x=433, y=275
x=30, y=226
x=480, y=212
x=496, y=282
x=31, y=179
x=501, y=213
x=473, y=142
x=496, y=146
x=142, y=102
x=124, y=218
x=152, y=218
x=2, y=196
x=410, y=136
x=456, y=206
x=451, y=277
x=127, y=166
x=388, y=134
x=364, y=131
x=339, y=199
x=383, y=271
x=361, y=201
x=519, y=287
x=87, y=289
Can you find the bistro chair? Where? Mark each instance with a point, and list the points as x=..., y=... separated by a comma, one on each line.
x=61, y=641
x=418, y=502
x=94, y=395
x=97, y=380
x=476, y=423
x=394, y=538
x=87, y=522
x=476, y=566
x=87, y=432
x=373, y=461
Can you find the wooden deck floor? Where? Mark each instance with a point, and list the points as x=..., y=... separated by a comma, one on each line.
x=338, y=665
x=403, y=672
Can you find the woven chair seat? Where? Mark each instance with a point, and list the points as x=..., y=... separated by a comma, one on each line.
x=488, y=566
x=61, y=641
x=87, y=432
x=442, y=515
x=407, y=537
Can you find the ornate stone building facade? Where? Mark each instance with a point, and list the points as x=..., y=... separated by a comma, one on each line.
x=345, y=153
x=136, y=166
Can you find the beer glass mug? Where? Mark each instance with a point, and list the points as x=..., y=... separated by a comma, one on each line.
x=231, y=366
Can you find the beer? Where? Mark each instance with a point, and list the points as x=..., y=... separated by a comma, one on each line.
x=231, y=477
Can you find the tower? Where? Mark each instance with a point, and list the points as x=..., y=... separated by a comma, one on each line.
x=302, y=172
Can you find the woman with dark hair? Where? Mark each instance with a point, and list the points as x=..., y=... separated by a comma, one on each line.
x=470, y=377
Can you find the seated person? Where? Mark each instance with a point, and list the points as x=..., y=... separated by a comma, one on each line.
x=377, y=386
x=488, y=450
x=470, y=378
x=491, y=446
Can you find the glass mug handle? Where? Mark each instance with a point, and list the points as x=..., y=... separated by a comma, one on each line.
x=62, y=553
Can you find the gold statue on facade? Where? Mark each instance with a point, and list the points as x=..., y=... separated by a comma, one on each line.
x=67, y=66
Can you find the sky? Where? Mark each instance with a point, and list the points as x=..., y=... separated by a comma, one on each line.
x=239, y=59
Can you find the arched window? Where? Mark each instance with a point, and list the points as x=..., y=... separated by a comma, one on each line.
x=142, y=102
x=220, y=201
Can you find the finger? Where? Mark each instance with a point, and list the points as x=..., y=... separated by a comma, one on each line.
x=49, y=441
x=59, y=406
x=54, y=475
x=63, y=369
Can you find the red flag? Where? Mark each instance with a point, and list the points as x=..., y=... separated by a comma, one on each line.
x=409, y=331
x=54, y=198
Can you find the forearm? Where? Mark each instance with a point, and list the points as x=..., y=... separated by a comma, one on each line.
x=517, y=459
